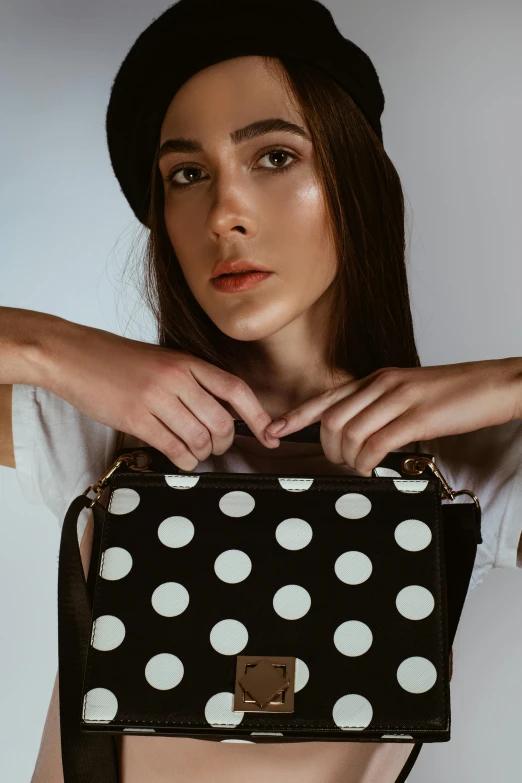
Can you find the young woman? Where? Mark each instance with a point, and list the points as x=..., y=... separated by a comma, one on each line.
x=262, y=162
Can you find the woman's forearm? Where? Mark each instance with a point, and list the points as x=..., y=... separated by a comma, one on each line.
x=24, y=337
x=518, y=410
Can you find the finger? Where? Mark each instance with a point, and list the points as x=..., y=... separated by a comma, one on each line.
x=197, y=418
x=346, y=432
x=239, y=395
x=312, y=410
x=155, y=433
x=334, y=419
x=403, y=430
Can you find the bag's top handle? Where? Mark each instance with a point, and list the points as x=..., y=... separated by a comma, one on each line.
x=309, y=434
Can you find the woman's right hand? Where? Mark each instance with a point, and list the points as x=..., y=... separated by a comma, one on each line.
x=162, y=396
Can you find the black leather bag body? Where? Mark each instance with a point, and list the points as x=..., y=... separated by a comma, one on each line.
x=261, y=607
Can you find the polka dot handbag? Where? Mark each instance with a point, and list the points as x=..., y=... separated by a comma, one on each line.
x=248, y=607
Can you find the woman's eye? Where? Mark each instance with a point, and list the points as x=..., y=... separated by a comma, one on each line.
x=177, y=183
x=278, y=153
x=192, y=171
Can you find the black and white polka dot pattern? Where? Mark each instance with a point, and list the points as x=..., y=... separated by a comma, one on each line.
x=196, y=569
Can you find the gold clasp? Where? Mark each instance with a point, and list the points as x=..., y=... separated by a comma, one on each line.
x=416, y=465
x=132, y=461
x=264, y=683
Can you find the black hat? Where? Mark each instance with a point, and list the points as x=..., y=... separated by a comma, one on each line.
x=193, y=34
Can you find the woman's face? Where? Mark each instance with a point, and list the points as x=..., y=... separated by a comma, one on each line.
x=256, y=198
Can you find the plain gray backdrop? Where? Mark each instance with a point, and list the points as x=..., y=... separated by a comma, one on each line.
x=450, y=72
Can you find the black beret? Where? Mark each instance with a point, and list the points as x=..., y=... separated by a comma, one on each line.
x=193, y=34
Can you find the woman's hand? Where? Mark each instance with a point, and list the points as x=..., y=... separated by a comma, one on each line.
x=161, y=396
x=363, y=420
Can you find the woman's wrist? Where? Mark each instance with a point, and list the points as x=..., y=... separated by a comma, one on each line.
x=47, y=351
x=24, y=336
x=518, y=391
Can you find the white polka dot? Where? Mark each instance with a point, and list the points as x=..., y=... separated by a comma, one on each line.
x=140, y=729
x=352, y=711
x=410, y=485
x=383, y=472
x=413, y=535
x=237, y=503
x=176, y=531
x=248, y=742
x=293, y=533
x=123, y=500
x=233, y=565
x=219, y=710
x=292, y=602
x=99, y=706
x=115, y=563
x=170, y=599
x=416, y=674
x=108, y=632
x=267, y=733
x=295, y=484
x=302, y=674
x=228, y=637
x=415, y=602
x=353, y=638
x=353, y=567
x=164, y=671
x=178, y=481
x=396, y=736
x=353, y=505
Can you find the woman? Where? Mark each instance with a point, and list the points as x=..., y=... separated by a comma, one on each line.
x=267, y=160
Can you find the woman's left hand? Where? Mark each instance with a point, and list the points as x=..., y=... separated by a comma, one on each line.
x=363, y=420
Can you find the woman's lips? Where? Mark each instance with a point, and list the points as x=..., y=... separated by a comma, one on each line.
x=239, y=282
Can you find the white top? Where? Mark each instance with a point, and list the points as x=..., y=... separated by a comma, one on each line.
x=59, y=451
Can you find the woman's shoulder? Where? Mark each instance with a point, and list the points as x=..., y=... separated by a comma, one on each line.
x=486, y=457
x=487, y=461
x=58, y=449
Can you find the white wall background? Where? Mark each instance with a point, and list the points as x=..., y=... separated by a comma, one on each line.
x=450, y=72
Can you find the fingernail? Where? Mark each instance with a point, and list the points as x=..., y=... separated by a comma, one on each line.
x=276, y=426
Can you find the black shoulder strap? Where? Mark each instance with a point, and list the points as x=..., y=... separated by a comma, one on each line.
x=86, y=757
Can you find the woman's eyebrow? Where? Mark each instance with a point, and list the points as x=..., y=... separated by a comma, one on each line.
x=258, y=128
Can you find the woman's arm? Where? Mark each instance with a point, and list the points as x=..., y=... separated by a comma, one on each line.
x=365, y=419
x=21, y=334
x=518, y=394
x=168, y=398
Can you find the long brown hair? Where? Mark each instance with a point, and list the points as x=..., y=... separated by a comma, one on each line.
x=370, y=324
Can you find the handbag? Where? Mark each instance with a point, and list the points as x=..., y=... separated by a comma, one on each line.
x=268, y=607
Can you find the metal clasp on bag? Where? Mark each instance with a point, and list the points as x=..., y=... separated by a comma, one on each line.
x=264, y=683
x=413, y=466
x=132, y=461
